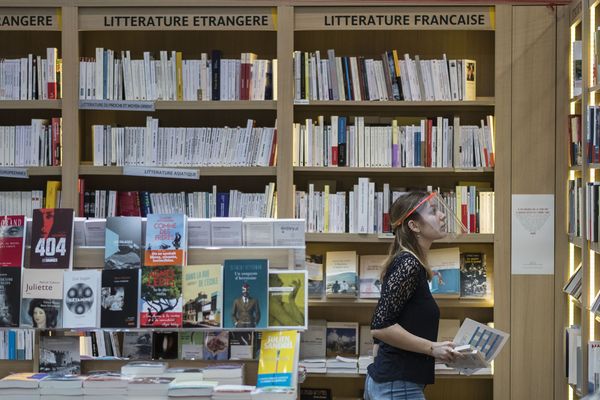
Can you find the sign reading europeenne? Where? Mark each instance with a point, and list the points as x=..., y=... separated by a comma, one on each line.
x=396, y=18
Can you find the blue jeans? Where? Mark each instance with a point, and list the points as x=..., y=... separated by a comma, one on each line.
x=395, y=390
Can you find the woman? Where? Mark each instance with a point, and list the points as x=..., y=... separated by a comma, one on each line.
x=42, y=316
x=405, y=321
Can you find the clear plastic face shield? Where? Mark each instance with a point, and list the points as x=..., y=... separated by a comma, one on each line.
x=438, y=217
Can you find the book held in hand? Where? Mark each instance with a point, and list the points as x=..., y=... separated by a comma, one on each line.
x=52, y=238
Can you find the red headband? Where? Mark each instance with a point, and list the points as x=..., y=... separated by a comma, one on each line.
x=400, y=220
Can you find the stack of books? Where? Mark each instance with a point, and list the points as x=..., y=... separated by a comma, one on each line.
x=274, y=393
x=233, y=392
x=105, y=385
x=342, y=365
x=314, y=365
x=225, y=374
x=61, y=387
x=21, y=386
x=191, y=389
x=144, y=368
x=148, y=388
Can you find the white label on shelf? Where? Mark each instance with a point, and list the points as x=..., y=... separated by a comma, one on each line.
x=174, y=173
x=19, y=173
x=129, y=105
x=301, y=102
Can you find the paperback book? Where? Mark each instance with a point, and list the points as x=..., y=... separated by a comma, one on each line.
x=166, y=240
x=245, y=288
x=164, y=345
x=473, y=276
x=278, y=360
x=42, y=298
x=191, y=345
x=119, y=298
x=60, y=355
x=287, y=299
x=123, y=243
x=202, y=295
x=81, y=299
x=445, y=264
x=10, y=296
x=216, y=346
x=370, y=275
x=241, y=346
x=316, y=284
x=342, y=339
x=12, y=240
x=161, y=297
x=313, y=340
x=52, y=238
x=137, y=345
x=341, y=273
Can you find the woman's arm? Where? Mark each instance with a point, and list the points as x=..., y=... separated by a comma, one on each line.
x=398, y=337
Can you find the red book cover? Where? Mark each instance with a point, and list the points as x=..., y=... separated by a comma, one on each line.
x=52, y=90
x=386, y=222
x=464, y=214
x=52, y=238
x=161, y=297
x=81, y=191
x=56, y=141
x=487, y=157
x=129, y=204
x=12, y=240
x=273, y=158
x=334, y=155
x=473, y=223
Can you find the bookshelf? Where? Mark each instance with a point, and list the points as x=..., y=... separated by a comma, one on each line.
x=503, y=90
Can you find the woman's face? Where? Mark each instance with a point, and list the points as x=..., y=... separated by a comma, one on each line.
x=39, y=317
x=433, y=225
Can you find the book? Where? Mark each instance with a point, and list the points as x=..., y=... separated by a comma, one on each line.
x=202, y=295
x=10, y=296
x=81, y=299
x=370, y=276
x=191, y=345
x=41, y=299
x=123, y=243
x=22, y=380
x=315, y=394
x=226, y=232
x=445, y=264
x=342, y=339
x=278, y=360
x=341, y=273
x=137, y=345
x=366, y=341
x=289, y=232
x=314, y=268
x=258, y=231
x=165, y=345
x=241, y=345
x=52, y=238
x=287, y=299
x=245, y=288
x=313, y=340
x=469, y=83
x=119, y=298
x=60, y=354
x=473, y=275
x=216, y=346
x=166, y=240
x=161, y=297
x=12, y=240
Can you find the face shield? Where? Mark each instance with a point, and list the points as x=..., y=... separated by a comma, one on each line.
x=438, y=217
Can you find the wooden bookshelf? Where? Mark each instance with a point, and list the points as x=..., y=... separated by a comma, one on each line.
x=384, y=170
x=371, y=303
x=30, y=104
x=375, y=238
x=86, y=169
x=480, y=102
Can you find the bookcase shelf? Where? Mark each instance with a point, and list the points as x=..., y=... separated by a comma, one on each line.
x=44, y=171
x=368, y=303
x=480, y=102
x=30, y=104
x=375, y=238
x=383, y=170
x=86, y=169
x=363, y=376
x=576, y=168
x=217, y=105
x=576, y=241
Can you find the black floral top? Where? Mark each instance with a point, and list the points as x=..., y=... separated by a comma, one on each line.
x=407, y=301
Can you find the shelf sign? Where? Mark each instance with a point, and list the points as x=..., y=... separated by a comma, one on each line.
x=120, y=105
x=18, y=173
x=173, y=173
x=30, y=19
x=395, y=18
x=180, y=18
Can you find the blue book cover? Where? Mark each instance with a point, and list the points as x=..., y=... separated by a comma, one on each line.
x=166, y=240
x=222, y=204
x=445, y=264
x=245, y=288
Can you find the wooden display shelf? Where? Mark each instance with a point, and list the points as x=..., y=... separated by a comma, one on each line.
x=30, y=104
x=442, y=303
x=576, y=241
x=579, y=168
x=480, y=102
x=43, y=171
x=575, y=99
x=594, y=88
x=391, y=170
x=592, y=166
x=86, y=169
x=362, y=376
x=374, y=238
x=595, y=247
x=217, y=105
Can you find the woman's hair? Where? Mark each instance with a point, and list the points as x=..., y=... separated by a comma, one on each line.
x=405, y=239
x=51, y=312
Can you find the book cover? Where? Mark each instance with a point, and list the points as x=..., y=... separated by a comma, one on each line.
x=278, y=359
x=10, y=296
x=137, y=345
x=52, y=238
x=370, y=276
x=341, y=273
x=245, y=288
x=316, y=284
x=41, y=298
x=12, y=240
x=241, y=346
x=312, y=341
x=366, y=341
x=191, y=345
x=81, y=299
x=165, y=345
x=202, y=295
x=342, y=339
x=473, y=275
x=123, y=243
x=287, y=299
x=470, y=80
x=445, y=264
x=161, y=297
x=119, y=298
x=60, y=355
x=166, y=240
x=216, y=346
x=315, y=394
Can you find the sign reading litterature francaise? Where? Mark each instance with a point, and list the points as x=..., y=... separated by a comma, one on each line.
x=29, y=19
x=453, y=18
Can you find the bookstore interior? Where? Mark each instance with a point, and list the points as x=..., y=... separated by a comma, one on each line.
x=196, y=197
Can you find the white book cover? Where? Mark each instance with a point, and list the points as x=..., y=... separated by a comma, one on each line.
x=199, y=232
x=366, y=341
x=81, y=299
x=312, y=340
x=226, y=231
x=289, y=232
x=41, y=298
x=370, y=273
x=258, y=231
x=593, y=366
x=341, y=273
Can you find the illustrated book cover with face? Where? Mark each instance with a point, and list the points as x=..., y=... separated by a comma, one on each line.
x=119, y=298
x=52, y=238
x=81, y=299
x=12, y=240
x=203, y=295
x=42, y=298
x=123, y=243
x=288, y=299
x=161, y=304
x=245, y=288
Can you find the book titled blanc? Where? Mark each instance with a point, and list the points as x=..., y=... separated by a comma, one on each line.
x=245, y=288
x=52, y=238
x=123, y=238
x=10, y=296
x=81, y=299
x=202, y=295
x=445, y=264
x=341, y=273
x=161, y=297
x=12, y=240
x=370, y=276
x=42, y=298
x=166, y=240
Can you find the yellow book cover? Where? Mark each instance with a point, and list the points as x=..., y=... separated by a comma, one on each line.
x=52, y=189
x=179, y=66
x=287, y=299
x=278, y=359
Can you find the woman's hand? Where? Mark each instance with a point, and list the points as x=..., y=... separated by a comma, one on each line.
x=444, y=351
